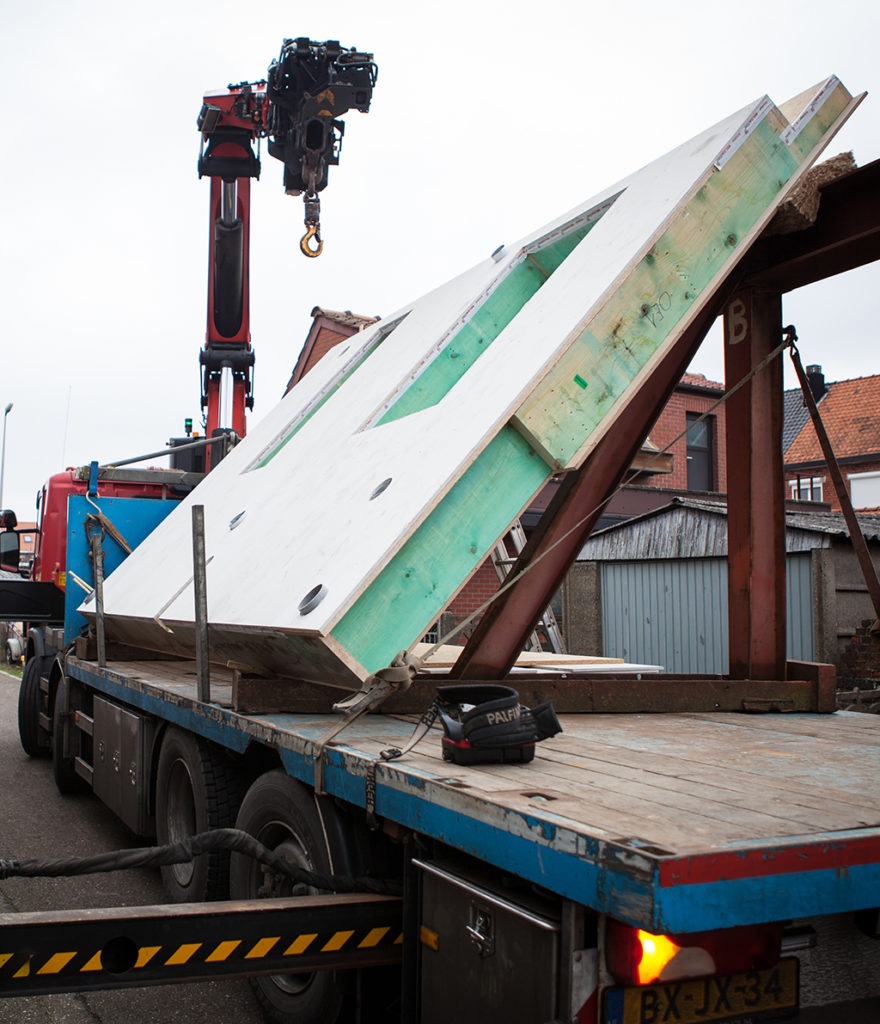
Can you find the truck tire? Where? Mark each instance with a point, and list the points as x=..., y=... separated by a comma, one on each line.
x=281, y=813
x=196, y=790
x=63, y=767
x=34, y=739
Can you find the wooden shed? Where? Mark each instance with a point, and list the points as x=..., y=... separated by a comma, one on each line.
x=654, y=589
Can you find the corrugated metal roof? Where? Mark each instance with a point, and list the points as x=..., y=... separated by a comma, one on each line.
x=691, y=528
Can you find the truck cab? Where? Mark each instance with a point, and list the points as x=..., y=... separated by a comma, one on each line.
x=10, y=544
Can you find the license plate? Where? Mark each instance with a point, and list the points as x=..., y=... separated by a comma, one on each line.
x=751, y=996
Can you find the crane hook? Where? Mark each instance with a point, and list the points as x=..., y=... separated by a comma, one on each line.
x=313, y=225
x=313, y=232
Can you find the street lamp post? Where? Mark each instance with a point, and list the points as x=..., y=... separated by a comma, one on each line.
x=6, y=412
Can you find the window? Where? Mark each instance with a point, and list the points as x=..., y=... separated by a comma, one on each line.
x=700, y=453
x=807, y=488
x=864, y=489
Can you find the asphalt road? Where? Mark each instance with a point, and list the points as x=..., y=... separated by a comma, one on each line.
x=36, y=821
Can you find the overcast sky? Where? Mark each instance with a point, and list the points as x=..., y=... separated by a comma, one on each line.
x=489, y=119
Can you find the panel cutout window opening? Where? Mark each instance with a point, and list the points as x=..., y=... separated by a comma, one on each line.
x=700, y=452
x=471, y=336
x=305, y=414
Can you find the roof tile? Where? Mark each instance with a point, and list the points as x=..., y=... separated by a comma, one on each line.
x=851, y=413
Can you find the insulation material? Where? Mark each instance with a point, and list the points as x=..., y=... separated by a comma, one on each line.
x=348, y=519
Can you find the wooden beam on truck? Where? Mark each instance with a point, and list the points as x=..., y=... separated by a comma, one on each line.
x=804, y=689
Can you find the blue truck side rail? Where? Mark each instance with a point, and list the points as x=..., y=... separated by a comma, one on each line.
x=588, y=824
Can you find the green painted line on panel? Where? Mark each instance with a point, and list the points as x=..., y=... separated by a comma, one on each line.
x=453, y=541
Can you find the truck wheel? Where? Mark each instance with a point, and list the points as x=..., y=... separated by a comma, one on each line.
x=63, y=767
x=34, y=739
x=196, y=790
x=281, y=813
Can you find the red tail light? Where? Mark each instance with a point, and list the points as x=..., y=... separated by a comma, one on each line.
x=636, y=957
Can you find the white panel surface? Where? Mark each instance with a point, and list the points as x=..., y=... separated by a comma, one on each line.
x=277, y=529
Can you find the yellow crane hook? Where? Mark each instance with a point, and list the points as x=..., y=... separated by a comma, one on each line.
x=310, y=244
x=312, y=234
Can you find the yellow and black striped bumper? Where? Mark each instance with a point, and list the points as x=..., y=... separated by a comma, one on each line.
x=71, y=951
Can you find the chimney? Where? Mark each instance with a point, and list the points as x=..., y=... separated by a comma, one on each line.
x=817, y=381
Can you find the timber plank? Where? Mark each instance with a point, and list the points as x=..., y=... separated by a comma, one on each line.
x=683, y=782
x=751, y=806
x=613, y=796
x=770, y=785
x=699, y=744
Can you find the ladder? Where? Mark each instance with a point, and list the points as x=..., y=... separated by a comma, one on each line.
x=515, y=540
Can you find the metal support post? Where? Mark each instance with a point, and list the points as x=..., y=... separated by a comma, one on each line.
x=846, y=507
x=95, y=532
x=756, y=488
x=200, y=591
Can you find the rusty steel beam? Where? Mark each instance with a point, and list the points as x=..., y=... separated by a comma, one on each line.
x=845, y=235
x=857, y=538
x=756, y=487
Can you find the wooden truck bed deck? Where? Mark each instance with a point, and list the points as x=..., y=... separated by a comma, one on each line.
x=674, y=822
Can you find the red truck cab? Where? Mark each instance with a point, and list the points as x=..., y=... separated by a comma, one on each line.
x=50, y=557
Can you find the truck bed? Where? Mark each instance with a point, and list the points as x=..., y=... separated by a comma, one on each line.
x=673, y=822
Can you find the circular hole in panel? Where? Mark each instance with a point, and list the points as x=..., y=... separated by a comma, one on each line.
x=386, y=483
x=312, y=599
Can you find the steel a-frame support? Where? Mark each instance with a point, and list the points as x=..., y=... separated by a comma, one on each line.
x=755, y=491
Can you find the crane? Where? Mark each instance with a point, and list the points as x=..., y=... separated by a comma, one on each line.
x=297, y=108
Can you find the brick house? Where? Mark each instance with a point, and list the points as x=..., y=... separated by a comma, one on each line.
x=683, y=454
x=698, y=449
x=850, y=411
x=329, y=328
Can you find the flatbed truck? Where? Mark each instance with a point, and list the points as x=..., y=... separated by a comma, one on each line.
x=686, y=850
x=749, y=843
